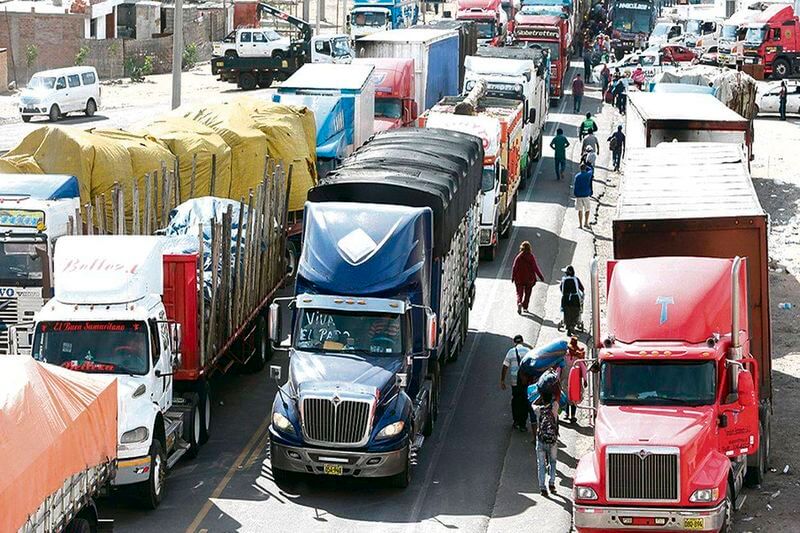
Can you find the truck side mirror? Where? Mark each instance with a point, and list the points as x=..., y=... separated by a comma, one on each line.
x=574, y=385
x=532, y=116
x=401, y=380
x=176, y=337
x=274, y=320
x=431, y=330
x=746, y=389
x=503, y=177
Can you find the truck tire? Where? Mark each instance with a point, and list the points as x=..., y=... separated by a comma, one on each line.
x=781, y=69
x=537, y=149
x=433, y=407
x=754, y=475
x=192, y=424
x=264, y=80
x=291, y=259
x=278, y=54
x=78, y=525
x=402, y=479
x=152, y=491
x=727, y=524
x=261, y=352
x=247, y=81
x=26, y=118
x=488, y=254
x=204, y=403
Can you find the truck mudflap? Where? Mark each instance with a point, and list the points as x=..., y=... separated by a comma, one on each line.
x=596, y=519
x=338, y=462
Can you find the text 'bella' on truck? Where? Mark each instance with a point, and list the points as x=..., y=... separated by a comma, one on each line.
x=384, y=286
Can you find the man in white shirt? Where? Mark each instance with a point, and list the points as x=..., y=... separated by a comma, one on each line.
x=519, y=391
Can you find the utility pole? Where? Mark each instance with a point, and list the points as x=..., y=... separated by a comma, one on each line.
x=320, y=14
x=177, y=53
x=306, y=10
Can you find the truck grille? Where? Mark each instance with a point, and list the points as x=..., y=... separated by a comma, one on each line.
x=643, y=475
x=8, y=317
x=329, y=421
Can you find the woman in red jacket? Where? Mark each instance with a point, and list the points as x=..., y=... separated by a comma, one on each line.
x=524, y=275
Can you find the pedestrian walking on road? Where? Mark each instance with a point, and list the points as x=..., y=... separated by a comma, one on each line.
x=574, y=353
x=524, y=274
x=582, y=190
x=605, y=77
x=590, y=141
x=616, y=143
x=571, y=299
x=587, y=126
x=559, y=144
x=546, y=411
x=782, y=99
x=587, y=67
x=519, y=395
x=577, y=93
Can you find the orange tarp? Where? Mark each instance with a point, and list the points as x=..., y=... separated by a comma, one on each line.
x=54, y=423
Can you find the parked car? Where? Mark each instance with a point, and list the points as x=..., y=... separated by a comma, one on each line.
x=769, y=98
x=679, y=53
x=710, y=57
x=54, y=93
x=249, y=42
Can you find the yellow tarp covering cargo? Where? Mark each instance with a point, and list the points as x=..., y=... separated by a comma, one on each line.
x=254, y=129
x=188, y=139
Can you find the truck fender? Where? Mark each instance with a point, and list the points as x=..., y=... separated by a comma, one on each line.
x=714, y=471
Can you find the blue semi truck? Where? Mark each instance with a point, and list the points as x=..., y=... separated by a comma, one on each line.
x=383, y=291
x=371, y=16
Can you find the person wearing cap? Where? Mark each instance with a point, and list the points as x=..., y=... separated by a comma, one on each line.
x=590, y=157
x=519, y=391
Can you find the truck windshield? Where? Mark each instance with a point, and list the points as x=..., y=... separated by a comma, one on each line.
x=22, y=263
x=729, y=32
x=552, y=48
x=341, y=47
x=486, y=30
x=755, y=35
x=487, y=183
x=110, y=347
x=388, y=107
x=661, y=30
x=693, y=27
x=657, y=383
x=370, y=18
x=632, y=21
x=327, y=330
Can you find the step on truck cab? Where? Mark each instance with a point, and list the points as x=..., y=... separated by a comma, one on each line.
x=372, y=16
x=383, y=290
x=551, y=34
x=517, y=74
x=489, y=17
x=395, y=105
x=683, y=368
x=498, y=122
x=772, y=43
x=34, y=213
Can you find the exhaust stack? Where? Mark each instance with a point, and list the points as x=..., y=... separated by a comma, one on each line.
x=595, y=304
x=735, y=351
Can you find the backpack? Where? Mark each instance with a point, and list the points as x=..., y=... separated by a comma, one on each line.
x=548, y=384
x=613, y=143
x=548, y=426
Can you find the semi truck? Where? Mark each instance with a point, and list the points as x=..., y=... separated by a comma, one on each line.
x=499, y=122
x=654, y=118
x=519, y=74
x=489, y=17
x=631, y=24
x=435, y=54
x=771, y=45
x=162, y=315
x=55, y=459
x=467, y=39
x=550, y=34
x=352, y=83
x=730, y=47
x=395, y=106
x=683, y=367
x=383, y=292
x=34, y=210
x=372, y=16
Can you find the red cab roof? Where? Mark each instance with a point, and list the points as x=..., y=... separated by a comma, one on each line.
x=537, y=20
x=486, y=5
x=393, y=77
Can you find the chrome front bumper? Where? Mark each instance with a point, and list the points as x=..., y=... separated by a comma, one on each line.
x=356, y=464
x=587, y=517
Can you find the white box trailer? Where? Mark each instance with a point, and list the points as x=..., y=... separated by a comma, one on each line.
x=354, y=83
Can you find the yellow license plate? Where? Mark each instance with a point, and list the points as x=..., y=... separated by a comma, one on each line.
x=693, y=523
x=333, y=470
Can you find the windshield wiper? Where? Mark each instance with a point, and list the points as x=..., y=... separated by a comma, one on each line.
x=116, y=367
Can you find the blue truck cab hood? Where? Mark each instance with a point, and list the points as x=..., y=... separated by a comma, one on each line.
x=331, y=372
x=329, y=117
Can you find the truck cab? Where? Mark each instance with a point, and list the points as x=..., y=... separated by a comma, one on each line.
x=395, y=103
x=550, y=34
x=331, y=49
x=371, y=16
x=631, y=24
x=490, y=19
x=109, y=317
x=773, y=43
x=34, y=213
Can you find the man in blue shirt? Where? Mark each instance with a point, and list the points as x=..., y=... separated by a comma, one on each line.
x=582, y=190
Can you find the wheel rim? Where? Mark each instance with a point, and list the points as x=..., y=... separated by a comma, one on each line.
x=196, y=428
x=207, y=417
x=262, y=352
x=157, y=473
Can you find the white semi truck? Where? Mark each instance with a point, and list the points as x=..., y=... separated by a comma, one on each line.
x=34, y=213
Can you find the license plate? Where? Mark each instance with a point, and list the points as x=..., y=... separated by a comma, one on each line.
x=693, y=523
x=332, y=470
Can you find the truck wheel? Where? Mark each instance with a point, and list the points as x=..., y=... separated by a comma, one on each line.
x=538, y=151
x=192, y=424
x=291, y=259
x=261, y=351
x=55, y=113
x=204, y=392
x=79, y=525
x=278, y=54
x=231, y=53
x=727, y=524
x=402, y=479
x=433, y=406
x=514, y=212
x=488, y=254
x=754, y=475
x=780, y=69
x=247, y=81
x=264, y=80
x=26, y=118
x=152, y=490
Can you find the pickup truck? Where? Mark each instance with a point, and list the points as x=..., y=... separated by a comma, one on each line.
x=252, y=42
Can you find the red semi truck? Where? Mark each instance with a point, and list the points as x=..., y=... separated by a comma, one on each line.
x=550, y=33
x=771, y=41
x=395, y=105
x=681, y=381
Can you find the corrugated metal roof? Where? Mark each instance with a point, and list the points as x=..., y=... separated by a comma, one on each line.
x=682, y=106
x=687, y=180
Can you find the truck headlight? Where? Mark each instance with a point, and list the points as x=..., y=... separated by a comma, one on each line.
x=139, y=434
x=391, y=430
x=282, y=423
x=704, y=495
x=585, y=493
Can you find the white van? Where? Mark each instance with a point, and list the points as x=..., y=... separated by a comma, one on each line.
x=54, y=93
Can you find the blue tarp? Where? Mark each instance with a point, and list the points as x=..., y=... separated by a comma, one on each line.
x=39, y=186
x=329, y=118
x=537, y=361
